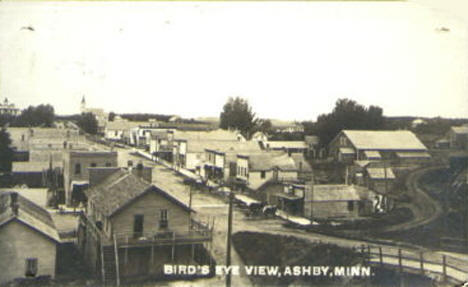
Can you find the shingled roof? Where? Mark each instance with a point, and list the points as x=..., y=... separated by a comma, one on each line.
x=270, y=160
x=28, y=213
x=120, y=189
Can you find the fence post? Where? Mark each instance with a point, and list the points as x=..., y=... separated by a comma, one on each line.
x=400, y=260
x=444, y=267
x=421, y=262
x=380, y=255
x=368, y=253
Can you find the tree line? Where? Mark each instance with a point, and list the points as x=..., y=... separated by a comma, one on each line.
x=33, y=116
x=347, y=114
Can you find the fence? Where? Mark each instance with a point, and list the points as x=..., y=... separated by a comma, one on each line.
x=449, y=267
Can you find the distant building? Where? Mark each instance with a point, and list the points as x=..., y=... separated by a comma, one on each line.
x=417, y=122
x=28, y=239
x=189, y=146
x=101, y=116
x=7, y=108
x=399, y=146
x=132, y=228
x=76, y=173
x=338, y=201
x=287, y=146
x=458, y=137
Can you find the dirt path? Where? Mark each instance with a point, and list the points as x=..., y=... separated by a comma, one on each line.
x=425, y=209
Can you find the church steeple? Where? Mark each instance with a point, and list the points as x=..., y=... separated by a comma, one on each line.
x=83, y=104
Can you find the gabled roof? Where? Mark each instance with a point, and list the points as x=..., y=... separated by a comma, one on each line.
x=384, y=140
x=271, y=160
x=120, y=189
x=301, y=163
x=28, y=213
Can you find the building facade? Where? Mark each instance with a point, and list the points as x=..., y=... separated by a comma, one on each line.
x=76, y=173
x=131, y=228
x=28, y=239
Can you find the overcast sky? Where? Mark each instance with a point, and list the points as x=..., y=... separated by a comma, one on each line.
x=291, y=60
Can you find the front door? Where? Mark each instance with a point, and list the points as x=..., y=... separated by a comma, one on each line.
x=138, y=226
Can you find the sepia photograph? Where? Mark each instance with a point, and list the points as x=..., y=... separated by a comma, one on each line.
x=234, y=143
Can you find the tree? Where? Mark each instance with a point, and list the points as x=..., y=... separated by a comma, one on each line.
x=350, y=115
x=42, y=115
x=265, y=126
x=111, y=116
x=237, y=114
x=88, y=123
x=6, y=153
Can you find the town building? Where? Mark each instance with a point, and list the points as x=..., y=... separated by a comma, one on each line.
x=338, y=201
x=400, y=147
x=131, y=228
x=458, y=137
x=120, y=130
x=7, y=108
x=287, y=146
x=313, y=145
x=255, y=170
x=221, y=156
x=380, y=179
x=76, y=173
x=28, y=239
x=188, y=147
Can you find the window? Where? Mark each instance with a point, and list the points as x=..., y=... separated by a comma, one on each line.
x=93, y=164
x=138, y=225
x=108, y=164
x=163, y=222
x=31, y=267
x=350, y=205
x=262, y=174
x=77, y=168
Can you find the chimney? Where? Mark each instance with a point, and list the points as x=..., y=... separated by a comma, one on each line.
x=14, y=203
x=143, y=172
x=139, y=169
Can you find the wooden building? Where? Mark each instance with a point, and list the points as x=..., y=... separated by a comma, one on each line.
x=399, y=146
x=28, y=239
x=337, y=201
x=131, y=228
x=258, y=168
x=458, y=137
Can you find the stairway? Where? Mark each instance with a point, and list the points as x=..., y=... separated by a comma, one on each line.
x=109, y=268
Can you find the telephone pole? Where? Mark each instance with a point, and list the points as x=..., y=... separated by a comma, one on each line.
x=228, y=251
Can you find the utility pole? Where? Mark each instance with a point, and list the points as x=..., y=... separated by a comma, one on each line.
x=228, y=251
x=190, y=205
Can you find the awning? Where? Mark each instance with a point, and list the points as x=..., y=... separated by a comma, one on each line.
x=347, y=150
x=246, y=199
x=372, y=154
x=413, y=155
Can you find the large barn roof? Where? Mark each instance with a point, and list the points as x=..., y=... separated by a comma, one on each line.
x=384, y=140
